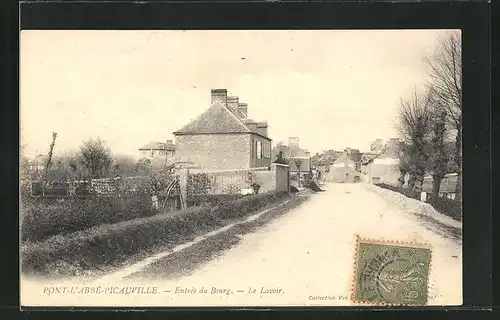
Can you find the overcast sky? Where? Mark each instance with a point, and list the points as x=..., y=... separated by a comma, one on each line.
x=332, y=89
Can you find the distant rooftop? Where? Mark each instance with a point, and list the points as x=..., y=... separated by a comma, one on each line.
x=153, y=145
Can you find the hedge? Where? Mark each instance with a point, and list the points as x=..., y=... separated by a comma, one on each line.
x=449, y=207
x=43, y=219
x=407, y=192
x=210, y=200
x=110, y=244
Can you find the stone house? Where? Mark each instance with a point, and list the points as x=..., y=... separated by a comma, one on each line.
x=159, y=153
x=384, y=168
x=447, y=188
x=223, y=137
x=343, y=169
x=294, y=155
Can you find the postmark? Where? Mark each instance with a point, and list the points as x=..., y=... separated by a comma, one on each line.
x=391, y=273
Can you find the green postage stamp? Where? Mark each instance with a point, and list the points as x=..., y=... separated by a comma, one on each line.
x=391, y=273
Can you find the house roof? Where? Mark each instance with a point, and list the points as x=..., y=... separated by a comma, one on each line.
x=217, y=119
x=152, y=145
x=344, y=158
x=390, y=151
x=291, y=152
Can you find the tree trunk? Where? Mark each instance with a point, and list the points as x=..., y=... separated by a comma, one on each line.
x=419, y=181
x=401, y=179
x=436, y=185
x=411, y=181
x=458, y=160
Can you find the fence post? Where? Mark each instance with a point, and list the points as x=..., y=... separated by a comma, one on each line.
x=183, y=177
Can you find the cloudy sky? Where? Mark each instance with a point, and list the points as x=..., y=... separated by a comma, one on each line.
x=333, y=89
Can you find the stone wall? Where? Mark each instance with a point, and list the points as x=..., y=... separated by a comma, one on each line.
x=215, y=151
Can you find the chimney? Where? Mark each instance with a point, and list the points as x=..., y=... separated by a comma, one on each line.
x=232, y=103
x=219, y=96
x=293, y=142
x=262, y=128
x=169, y=142
x=243, y=109
x=252, y=125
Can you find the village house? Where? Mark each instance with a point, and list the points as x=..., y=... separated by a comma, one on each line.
x=38, y=163
x=447, y=188
x=383, y=168
x=223, y=137
x=322, y=163
x=297, y=158
x=344, y=168
x=158, y=153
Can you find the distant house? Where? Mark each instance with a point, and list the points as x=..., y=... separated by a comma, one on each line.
x=299, y=159
x=383, y=168
x=223, y=137
x=447, y=188
x=158, y=152
x=343, y=169
x=366, y=160
x=38, y=163
x=322, y=163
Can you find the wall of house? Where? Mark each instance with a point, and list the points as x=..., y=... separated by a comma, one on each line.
x=343, y=174
x=215, y=151
x=305, y=164
x=265, y=161
x=387, y=173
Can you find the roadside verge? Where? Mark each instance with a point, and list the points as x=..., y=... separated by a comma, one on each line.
x=100, y=250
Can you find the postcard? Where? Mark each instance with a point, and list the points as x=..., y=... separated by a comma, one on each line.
x=240, y=168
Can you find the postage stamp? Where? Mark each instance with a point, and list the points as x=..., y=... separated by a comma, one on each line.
x=391, y=273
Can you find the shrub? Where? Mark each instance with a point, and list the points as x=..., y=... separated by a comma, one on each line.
x=43, y=219
x=210, y=200
x=407, y=192
x=112, y=243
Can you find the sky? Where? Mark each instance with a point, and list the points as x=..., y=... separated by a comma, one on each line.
x=332, y=89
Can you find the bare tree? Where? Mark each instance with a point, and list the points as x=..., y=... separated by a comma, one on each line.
x=438, y=155
x=95, y=157
x=404, y=163
x=445, y=70
x=414, y=126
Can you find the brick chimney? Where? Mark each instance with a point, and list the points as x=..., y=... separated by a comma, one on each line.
x=293, y=142
x=262, y=128
x=232, y=103
x=243, y=109
x=219, y=96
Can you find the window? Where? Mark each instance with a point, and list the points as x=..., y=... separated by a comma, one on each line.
x=267, y=150
x=259, y=150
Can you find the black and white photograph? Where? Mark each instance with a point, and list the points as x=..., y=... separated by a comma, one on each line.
x=188, y=168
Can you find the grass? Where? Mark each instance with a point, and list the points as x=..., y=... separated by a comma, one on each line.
x=112, y=244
